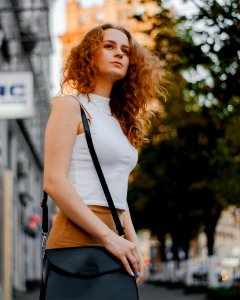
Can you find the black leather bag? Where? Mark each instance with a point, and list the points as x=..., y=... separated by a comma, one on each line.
x=85, y=273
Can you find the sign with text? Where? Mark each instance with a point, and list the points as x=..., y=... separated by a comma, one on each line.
x=16, y=95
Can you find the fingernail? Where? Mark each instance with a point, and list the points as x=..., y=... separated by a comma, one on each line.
x=138, y=274
x=132, y=274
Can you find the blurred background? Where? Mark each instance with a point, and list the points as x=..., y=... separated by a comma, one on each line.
x=184, y=194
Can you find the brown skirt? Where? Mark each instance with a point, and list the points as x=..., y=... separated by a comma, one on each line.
x=65, y=233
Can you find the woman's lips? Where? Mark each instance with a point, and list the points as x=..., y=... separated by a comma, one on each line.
x=117, y=63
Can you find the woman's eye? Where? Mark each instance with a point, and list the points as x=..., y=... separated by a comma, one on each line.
x=108, y=46
x=125, y=51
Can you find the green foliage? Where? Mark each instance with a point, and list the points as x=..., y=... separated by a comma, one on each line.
x=190, y=170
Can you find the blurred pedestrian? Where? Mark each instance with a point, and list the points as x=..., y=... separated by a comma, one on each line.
x=112, y=77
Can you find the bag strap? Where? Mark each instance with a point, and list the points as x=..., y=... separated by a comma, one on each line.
x=98, y=168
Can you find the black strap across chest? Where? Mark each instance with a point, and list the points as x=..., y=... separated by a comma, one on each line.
x=98, y=168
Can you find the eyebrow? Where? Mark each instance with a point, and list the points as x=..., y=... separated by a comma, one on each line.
x=123, y=45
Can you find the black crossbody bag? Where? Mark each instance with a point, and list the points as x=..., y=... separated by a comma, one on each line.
x=88, y=272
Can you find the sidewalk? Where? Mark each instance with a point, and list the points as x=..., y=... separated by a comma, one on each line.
x=152, y=292
x=33, y=295
x=146, y=292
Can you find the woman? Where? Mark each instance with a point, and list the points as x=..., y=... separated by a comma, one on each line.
x=113, y=77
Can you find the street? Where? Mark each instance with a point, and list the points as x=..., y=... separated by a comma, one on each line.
x=146, y=292
x=152, y=292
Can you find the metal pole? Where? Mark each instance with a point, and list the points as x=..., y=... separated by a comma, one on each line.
x=7, y=234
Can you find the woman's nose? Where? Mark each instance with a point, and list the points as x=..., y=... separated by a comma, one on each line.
x=119, y=52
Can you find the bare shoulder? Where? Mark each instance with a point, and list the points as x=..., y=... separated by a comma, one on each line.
x=65, y=116
x=67, y=104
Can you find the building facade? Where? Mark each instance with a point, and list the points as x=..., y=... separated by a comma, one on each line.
x=135, y=15
x=25, y=48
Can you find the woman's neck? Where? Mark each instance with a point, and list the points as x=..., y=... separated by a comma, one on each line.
x=103, y=88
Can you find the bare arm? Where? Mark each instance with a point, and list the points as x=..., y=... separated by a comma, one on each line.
x=60, y=137
x=59, y=140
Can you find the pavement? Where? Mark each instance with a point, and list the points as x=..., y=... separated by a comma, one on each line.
x=33, y=295
x=146, y=292
x=153, y=292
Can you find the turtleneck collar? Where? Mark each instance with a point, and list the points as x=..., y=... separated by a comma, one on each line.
x=101, y=102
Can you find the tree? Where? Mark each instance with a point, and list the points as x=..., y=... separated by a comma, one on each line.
x=199, y=133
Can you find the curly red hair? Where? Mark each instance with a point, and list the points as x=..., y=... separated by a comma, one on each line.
x=130, y=95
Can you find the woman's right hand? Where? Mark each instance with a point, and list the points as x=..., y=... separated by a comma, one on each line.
x=125, y=250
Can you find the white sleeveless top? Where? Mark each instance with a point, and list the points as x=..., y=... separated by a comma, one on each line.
x=116, y=155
